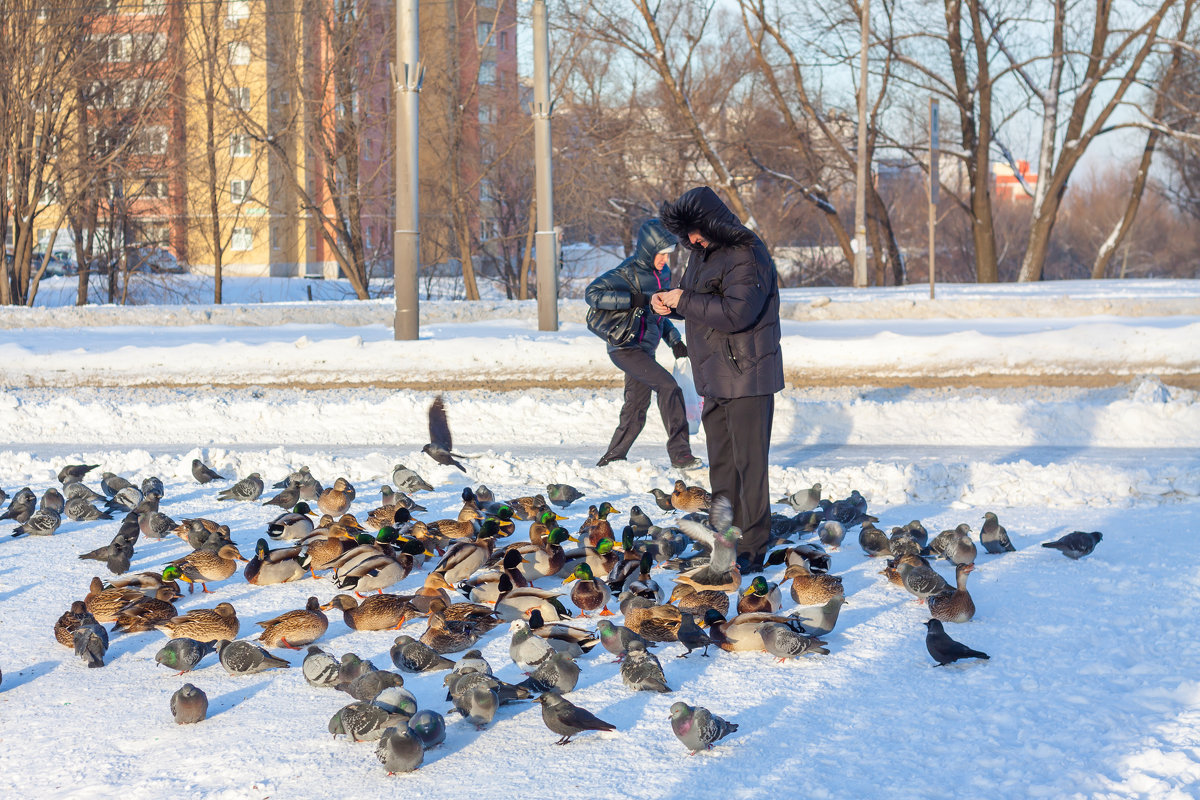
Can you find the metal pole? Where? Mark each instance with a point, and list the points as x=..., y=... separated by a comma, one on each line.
x=860, y=194
x=934, y=182
x=545, y=239
x=406, y=248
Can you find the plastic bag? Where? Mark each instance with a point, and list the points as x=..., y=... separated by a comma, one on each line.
x=693, y=403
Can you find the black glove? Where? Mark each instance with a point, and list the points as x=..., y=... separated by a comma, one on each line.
x=679, y=350
x=638, y=300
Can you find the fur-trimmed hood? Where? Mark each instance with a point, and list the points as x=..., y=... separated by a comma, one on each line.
x=700, y=209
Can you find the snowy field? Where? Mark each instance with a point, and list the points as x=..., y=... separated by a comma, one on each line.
x=1092, y=689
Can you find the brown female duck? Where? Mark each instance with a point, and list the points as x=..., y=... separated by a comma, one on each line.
x=203, y=624
x=295, y=629
x=812, y=590
x=956, y=604
x=378, y=612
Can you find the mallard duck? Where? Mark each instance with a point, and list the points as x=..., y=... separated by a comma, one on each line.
x=203, y=624
x=645, y=586
x=808, y=553
x=295, y=629
x=812, y=590
x=545, y=522
x=477, y=616
x=64, y=628
x=597, y=527
x=741, y=633
x=388, y=515
x=576, y=641
x=324, y=546
x=379, y=612
x=697, y=602
x=105, y=604
x=444, y=637
x=336, y=499
x=273, y=566
x=526, y=508
x=377, y=572
x=463, y=558
x=148, y=583
x=654, y=623
x=589, y=593
x=690, y=498
x=293, y=525
x=207, y=567
x=196, y=531
x=956, y=604
x=144, y=614
x=515, y=603
x=630, y=563
x=759, y=596
x=602, y=559
x=484, y=587
x=434, y=587
x=448, y=530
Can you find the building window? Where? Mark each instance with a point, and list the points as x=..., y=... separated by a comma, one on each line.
x=239, y=145
x=154, y=6
x=117, y=48
x=242, y=239
x=487, y=193
x=310, y=237
x=239, y=54
x=487, y=112
x=156, y=232
x=237, y=10
x=275, y=243
x=239, y=191
x=151, y=142
x=239, y=98
x=150, y=46
x=485, y=33
x=155, y=189
x=503, y=40
x=488, y=229
x=487, y=73
x=43, y=237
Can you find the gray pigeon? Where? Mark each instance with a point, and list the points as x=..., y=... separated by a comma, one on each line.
x=127, y=498
x=203, y=473
x=616, y=638
x=1076, y=544
x=831, y=533
x=155, y=524
x=993, y=536
x=110, y=484
x=294, y=479
x=81, y=510
x=641, y=671
x=248, y=489
x=22, y=506
x=783, y=642
x=363, y=722
x=152, y=485
x=351, y=667
x=320, y=668
x=920, y=580
x=399, y=751
x=944, y=649
x=558, y=673
x=90, y=640
x=526, y=649
x=440, y=442
x=73, y=473
x=942, y=540
x=189, y=705
x=473, y=661
x=874, y=542
x=563, y=494
x=246, y=658
x=406, y=480
x=959, y=549
x=460, y=683
x=52, y=500
x=396, y=700
x=286, y=499
x=903, y=543
x=80, y=491
x=41, y=523
x=369, y=684
x=410, y=655
x=697, y=727
x=183, y=654
x=478, y=705
x=566, y=719
x=803, y=499
x=429, y=727
x=820, y=620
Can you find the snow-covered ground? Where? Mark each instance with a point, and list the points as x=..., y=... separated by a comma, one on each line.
x=1091, y=690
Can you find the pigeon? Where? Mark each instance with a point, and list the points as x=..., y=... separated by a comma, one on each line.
x=410, y=655
x=81, y=510
x=830, y=532
x=396, y=700
x=429, y=727
x=944, y=649
x=110, y=484
x=126, y=498
x=698, y=728
x=616, y=638
x=803, y=499
x=189, y=705
x=562, y=494
x=155, y=524
x=473, y=661
x=440, y=443
x=783, y=642
x=369, y=684
x=940, y=542
x=91, y=641
x=22, y=506
x=320, y=668
x=558, y=673
x=526, y=649
x=566, y=719
x=363, y=721
x=639, y=521
x=286, y=499
x=205, y=474
x=351, y=667
x=247, y=489
x=478, y=704
x=399, y=751
x=820, y=620
x=874, y=542
x=152, y=485
x=246, y=658
x=183, y=654
x=73, y=473
x=993, y=536
x=1076, y=544
x=641, y=671
x=41, y=523
x=959, y=549
x=53, y=500
x=459, y=683
x=406, y=480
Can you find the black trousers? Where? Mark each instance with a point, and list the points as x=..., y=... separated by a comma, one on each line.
x=738, y=433
x=644, y=375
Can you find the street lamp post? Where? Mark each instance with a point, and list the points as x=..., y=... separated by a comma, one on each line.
x=860, y=194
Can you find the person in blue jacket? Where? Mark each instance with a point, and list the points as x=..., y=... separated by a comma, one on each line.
x=612, y=291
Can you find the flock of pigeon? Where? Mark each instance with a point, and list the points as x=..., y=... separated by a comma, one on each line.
x=477, y=581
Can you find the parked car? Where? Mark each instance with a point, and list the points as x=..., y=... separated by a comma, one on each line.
x=154, y=260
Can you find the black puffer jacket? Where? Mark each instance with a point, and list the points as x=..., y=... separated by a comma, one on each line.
x=730, y=300
x=611, y=291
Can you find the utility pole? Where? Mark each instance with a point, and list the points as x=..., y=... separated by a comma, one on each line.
x=860, y=189
x=545, y=238
x=406, y=247
x=934, y=181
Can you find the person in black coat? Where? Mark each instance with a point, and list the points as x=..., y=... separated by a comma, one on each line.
x=729, y=301
x=643, y=374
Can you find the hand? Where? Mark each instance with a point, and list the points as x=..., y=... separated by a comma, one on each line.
x=664, y=302
x=679, y=350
